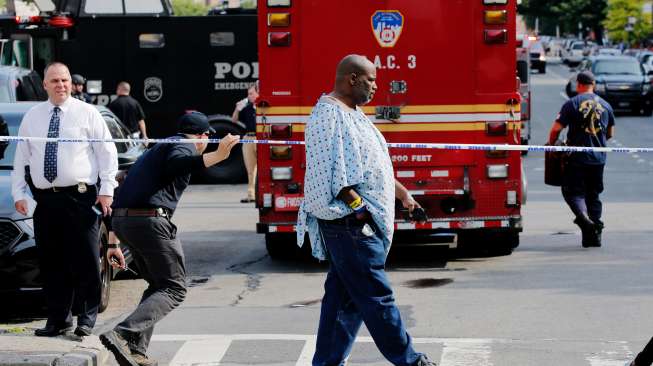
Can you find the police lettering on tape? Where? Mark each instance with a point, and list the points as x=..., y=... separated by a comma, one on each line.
x=390, y=145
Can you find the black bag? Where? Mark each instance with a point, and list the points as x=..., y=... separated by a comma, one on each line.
x=554, y=166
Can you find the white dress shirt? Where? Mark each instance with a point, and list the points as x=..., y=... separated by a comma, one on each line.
x=76, y=162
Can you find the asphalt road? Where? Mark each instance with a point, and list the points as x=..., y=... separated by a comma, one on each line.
x=549, y=303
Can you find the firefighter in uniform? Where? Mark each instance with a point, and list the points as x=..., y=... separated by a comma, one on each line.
x=590, y=123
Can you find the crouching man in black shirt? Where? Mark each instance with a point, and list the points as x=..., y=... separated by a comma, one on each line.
x=141, y=220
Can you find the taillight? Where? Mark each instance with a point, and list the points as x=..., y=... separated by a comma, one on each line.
x=278, y=19
x=496, y=128
x=495, y=16
x=281, y=173
x=61, y=21
x=279, y=39
x=283, y=152
x=33, y=19
x=496, y=154
x=281, y=131
x=495, y=36
x=497, y=171
x=278, y=3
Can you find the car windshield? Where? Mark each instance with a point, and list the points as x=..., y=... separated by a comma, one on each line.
x=578, y=46
x=117, y=133
x=613, y=67
x=13, y=121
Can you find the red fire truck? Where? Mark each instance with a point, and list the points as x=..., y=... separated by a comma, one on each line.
x=446, y=74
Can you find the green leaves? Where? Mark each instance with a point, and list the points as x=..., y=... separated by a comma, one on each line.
x=188, y=8
x=626, y=21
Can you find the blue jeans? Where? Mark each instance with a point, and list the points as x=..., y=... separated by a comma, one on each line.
x=357, y=290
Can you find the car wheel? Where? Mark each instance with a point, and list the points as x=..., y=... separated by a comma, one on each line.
x=543, y=69
x=570, y=93
x=647, y=111
x=106, y=272
x=232, y=170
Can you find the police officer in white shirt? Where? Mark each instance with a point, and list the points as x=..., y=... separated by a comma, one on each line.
x=63, y=179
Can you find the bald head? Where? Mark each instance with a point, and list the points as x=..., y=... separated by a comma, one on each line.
x=353, y=64
x=123, y=88
x=355, y=80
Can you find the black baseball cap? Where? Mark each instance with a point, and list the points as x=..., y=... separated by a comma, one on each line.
x=194, y=123
x=585, y=78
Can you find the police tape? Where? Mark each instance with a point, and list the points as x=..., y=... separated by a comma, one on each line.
x=436, y=146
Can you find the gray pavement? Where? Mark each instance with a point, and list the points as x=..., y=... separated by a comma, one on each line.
x=549, y=303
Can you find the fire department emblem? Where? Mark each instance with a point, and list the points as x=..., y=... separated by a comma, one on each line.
x=387, y=26
x=153, y=89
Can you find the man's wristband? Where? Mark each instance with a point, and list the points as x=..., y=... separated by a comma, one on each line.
x=112, y=246
x=355, y=204
x=361, y=208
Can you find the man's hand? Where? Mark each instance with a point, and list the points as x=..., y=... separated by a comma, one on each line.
x=241, y=104
x=105, y=202
x=409, y=203
x=224, y=149
x=22, y=207
x=117, y=254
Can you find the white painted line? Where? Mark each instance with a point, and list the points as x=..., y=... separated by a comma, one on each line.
x=202, y=351
x=564, y=96
x=306, y=357
x=462, y=353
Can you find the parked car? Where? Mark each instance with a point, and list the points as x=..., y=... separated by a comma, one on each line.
x=19, y=84
x=621, y=80
x=538, y=57
x=576, y=52
x=608, y=52
x=19, y=270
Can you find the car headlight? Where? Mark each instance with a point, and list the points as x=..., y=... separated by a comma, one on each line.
x=646, y=87
x=542, y=57
x=600, y=88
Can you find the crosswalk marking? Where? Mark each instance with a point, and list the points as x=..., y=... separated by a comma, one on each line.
x=209, y=349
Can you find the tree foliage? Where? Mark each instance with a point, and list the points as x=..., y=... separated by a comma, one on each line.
x=567, y=14
x=619, y=11
x=189, y=8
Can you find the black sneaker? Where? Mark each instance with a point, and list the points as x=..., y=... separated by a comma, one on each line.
x=118, y=346
x=83, y=331
x=424, y=361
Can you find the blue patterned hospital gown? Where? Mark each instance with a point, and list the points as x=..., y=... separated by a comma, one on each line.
x=344, y=148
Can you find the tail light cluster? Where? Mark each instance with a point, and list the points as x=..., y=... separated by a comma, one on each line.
x=496, y=18
x=279, y=37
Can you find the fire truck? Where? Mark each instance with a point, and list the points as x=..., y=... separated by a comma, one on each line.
x=524, y=75
x=173, y=63
x=446, y=74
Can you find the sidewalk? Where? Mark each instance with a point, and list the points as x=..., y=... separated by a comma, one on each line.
x=21, y=348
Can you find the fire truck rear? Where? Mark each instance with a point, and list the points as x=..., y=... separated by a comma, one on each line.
x=446, y=74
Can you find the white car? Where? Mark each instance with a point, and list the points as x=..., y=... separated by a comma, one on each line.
x=576, y=52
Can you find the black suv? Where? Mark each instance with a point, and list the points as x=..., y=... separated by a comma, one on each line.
x=621, y=80
x=19, y=269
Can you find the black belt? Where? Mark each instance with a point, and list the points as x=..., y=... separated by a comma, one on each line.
x=77, y=188
x=347, y=220
x=140, y=212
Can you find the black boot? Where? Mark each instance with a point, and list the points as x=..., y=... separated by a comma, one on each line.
x=588, y=230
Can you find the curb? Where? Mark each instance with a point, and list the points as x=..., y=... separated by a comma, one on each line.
x=90, y=353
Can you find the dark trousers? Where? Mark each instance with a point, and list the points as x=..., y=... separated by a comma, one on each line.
x=645, y=358
x=160, y=260
x=581, y=186
x=67, y=236
x=357, y=290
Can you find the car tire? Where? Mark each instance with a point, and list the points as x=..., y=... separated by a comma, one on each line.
x=232, y=170
x=281, y=245
x=542, y=69
x=106, y=271
x=647, y=111
x=570, y=93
